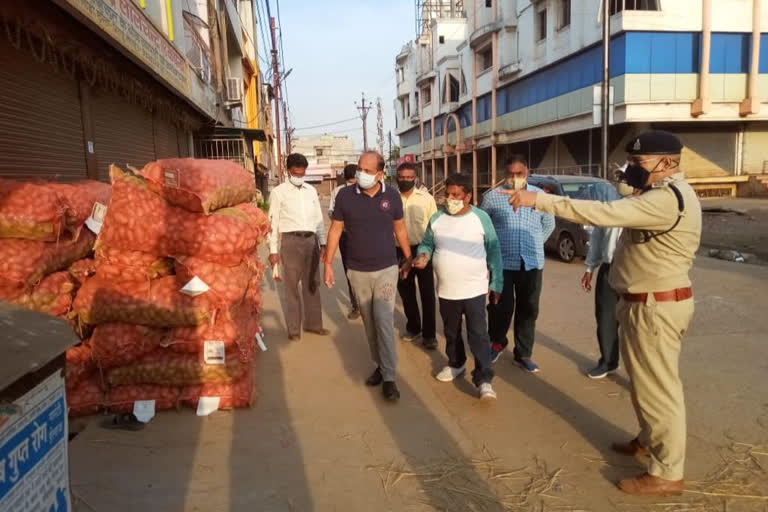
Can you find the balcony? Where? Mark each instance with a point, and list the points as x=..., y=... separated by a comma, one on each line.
x=234, y=26
x=483, y=34
x=403, y=89
x=425, y=77
x=509, y=71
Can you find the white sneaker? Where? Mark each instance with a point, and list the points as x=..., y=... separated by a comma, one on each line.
x=448, y=374
x=487, y=392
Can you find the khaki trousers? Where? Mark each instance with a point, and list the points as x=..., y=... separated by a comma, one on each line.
x=651, y=334
x=297, y=255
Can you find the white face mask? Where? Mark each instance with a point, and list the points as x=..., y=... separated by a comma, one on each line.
x=454, y=206
x=365, y=180
x=296, y=180
x=516, y=183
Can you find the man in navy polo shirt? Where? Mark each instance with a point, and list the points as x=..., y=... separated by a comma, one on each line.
x=369, y=213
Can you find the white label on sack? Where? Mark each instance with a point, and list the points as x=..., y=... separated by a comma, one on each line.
x=195, y=287
x=171, y=177
x=213, y=352
x=144, y=410
x=207, y=404
x=95, y=221
x=260, y=342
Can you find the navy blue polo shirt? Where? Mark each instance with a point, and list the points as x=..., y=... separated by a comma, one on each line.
x=369, y=225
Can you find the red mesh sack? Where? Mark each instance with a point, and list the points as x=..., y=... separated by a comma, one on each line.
x=130, y=265
x=199, y=185
x=122, y=398
x=79, y=198
x=53, y=295
x=79, y=365
x=31, y=210
x=167, y=368
x=81, y=270
x=86, y=398
x=234, y=328
x=121, y=344
x=229, y=283
x=155, y=303
x=139, y=220
x=240, y=393
x=23, y=263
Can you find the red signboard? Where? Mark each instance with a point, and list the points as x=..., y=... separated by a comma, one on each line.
x=409, y=158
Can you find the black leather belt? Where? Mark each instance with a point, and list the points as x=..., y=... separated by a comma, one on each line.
x=302, y=234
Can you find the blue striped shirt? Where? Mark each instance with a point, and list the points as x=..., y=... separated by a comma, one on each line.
x=522, y=233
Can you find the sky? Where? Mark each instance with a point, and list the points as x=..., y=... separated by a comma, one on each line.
x=339, y=49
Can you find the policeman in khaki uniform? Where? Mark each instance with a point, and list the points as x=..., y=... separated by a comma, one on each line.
x=650, y=274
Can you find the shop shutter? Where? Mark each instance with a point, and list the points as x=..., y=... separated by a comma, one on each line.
x=183, y=139
x=40, y=120
x=166, y=143
x=755, y=156
x=123, y=133
x=708, y=154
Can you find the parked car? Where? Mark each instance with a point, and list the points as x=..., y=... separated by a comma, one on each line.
x=569, y=239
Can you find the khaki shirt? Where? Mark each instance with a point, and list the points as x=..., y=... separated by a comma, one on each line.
x=418, y=209
x=659, y=265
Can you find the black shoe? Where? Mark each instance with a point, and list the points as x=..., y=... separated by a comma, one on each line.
x=354, y=314
x=390, y=391
x=429, y=343
x=375, y=379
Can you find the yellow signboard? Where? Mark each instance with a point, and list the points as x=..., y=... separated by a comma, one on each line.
x=124, y=21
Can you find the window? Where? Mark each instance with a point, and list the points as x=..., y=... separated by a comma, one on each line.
x=416, y=97
x=541, y=25
x=426, y=95
x=451, y=88
x=565, y=14
x=400, y=75
x=489, y=3
x=405, y=107
x=485, y=59
x=441, y=39
x=634, y=5
x=319, y=152
x=463, y=89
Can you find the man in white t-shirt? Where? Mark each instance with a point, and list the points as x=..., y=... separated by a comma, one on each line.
x=466, y=255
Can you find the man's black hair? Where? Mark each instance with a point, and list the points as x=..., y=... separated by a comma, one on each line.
x=350, y=170
x=296, y=160
x=406, y=166
x=460, y=180
x=516, y=159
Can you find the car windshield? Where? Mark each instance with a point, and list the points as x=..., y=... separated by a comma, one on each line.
x=598, y=191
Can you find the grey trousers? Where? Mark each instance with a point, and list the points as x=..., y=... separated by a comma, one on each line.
x=375, y=292
x=297, y=257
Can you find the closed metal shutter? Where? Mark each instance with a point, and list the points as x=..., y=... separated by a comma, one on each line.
x=123, y=133
x=40, y=120
x=755, y=156
x=708, y=154
x=183, y=140
x=166, y=143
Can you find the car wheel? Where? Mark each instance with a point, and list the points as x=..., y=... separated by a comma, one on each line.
x=566, y=248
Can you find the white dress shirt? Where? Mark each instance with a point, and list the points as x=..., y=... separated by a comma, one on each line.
x=334, y=194
x=293, y=208
x=602, y=245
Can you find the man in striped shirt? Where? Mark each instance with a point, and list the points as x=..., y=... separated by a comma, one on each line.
x=522, y=234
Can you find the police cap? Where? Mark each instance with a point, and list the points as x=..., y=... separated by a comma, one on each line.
x=654, y=142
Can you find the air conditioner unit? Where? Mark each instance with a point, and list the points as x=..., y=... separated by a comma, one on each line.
x=234, y=93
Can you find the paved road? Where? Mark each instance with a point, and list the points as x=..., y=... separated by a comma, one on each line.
x=320, y=440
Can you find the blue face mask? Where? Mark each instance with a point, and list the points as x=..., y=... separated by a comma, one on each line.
x=365, y=180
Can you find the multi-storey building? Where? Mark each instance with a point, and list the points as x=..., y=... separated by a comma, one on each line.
x=88, y=83
x=488, y=78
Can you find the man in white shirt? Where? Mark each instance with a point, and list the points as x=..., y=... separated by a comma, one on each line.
x=350, y=172
x=296, y=242
x=602, y=245
x=462, y=243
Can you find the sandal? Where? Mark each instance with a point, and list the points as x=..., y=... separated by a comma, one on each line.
x=126, y=421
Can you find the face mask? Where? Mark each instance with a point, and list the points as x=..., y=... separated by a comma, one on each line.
x=405, y=186
x=637, y=176
x=365, y=180
x=516, y=183
x=296, y=180
x=454, y=206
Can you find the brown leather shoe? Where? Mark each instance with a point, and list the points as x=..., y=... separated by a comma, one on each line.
x=649, y=485
x=319, y=332
x=631, y=448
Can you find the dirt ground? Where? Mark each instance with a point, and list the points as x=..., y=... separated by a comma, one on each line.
x=319, y=440
x=743, y=229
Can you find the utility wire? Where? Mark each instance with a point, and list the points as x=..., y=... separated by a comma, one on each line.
x=328, y=124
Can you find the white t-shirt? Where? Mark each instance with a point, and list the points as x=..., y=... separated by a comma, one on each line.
x=460, y=258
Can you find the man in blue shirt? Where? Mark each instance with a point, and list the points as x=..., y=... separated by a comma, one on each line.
x=522, y=234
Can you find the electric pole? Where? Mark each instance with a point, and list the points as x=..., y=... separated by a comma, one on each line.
x=390, y=151
x=276, y=92
x=288, y=131
x=364, y=108
x=379, y=127
x=605, y=106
